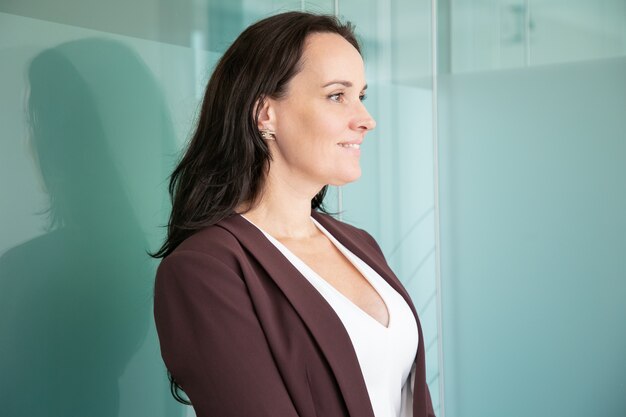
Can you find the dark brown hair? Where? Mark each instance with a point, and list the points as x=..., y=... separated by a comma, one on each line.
x=226, y=161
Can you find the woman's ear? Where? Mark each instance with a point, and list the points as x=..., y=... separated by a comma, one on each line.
x=267, y=116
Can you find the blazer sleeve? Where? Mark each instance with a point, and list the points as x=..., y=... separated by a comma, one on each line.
x=212, y=342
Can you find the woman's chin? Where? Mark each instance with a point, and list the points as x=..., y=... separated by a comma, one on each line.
x=346, y=178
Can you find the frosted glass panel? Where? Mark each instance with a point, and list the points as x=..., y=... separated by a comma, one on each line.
x=532, y=169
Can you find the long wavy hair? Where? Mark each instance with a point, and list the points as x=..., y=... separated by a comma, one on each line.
x=227, y=160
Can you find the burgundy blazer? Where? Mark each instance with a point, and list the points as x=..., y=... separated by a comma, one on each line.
x=245, y=334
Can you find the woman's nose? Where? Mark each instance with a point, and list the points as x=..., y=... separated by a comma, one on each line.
x=364, y=120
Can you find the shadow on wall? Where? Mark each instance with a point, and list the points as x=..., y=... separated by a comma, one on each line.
x=75, y=303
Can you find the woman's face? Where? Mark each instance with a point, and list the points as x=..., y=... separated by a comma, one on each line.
x=321, y=121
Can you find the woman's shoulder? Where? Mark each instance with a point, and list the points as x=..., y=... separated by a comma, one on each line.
x=214, y=240
x=211, y=244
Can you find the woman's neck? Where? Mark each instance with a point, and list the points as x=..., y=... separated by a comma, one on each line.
x=283, y=210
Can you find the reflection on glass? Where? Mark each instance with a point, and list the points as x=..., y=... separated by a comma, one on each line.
x=76, y=300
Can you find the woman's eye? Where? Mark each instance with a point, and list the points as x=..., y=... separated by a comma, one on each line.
x=336, y=97
x=339, y=97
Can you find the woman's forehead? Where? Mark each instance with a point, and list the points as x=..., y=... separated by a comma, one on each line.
x=328, y=56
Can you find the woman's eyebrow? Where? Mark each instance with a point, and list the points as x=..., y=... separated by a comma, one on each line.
x=342, y=82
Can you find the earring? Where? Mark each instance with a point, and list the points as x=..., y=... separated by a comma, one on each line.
x=268, y=135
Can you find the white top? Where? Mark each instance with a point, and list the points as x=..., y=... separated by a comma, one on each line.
x=386, y=354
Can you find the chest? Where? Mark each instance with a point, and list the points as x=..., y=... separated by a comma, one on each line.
x=323, y=257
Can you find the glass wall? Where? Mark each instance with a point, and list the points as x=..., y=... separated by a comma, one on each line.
x=532, y=146
x=97, y=100
x=517, y=187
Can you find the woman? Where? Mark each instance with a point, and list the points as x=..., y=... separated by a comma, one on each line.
x=264, y=304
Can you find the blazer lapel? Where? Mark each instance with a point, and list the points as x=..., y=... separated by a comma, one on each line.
x=316, y=313
x=421, y=398
x=369, y=256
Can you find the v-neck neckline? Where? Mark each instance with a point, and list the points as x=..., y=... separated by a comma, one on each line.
x=348, y=255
